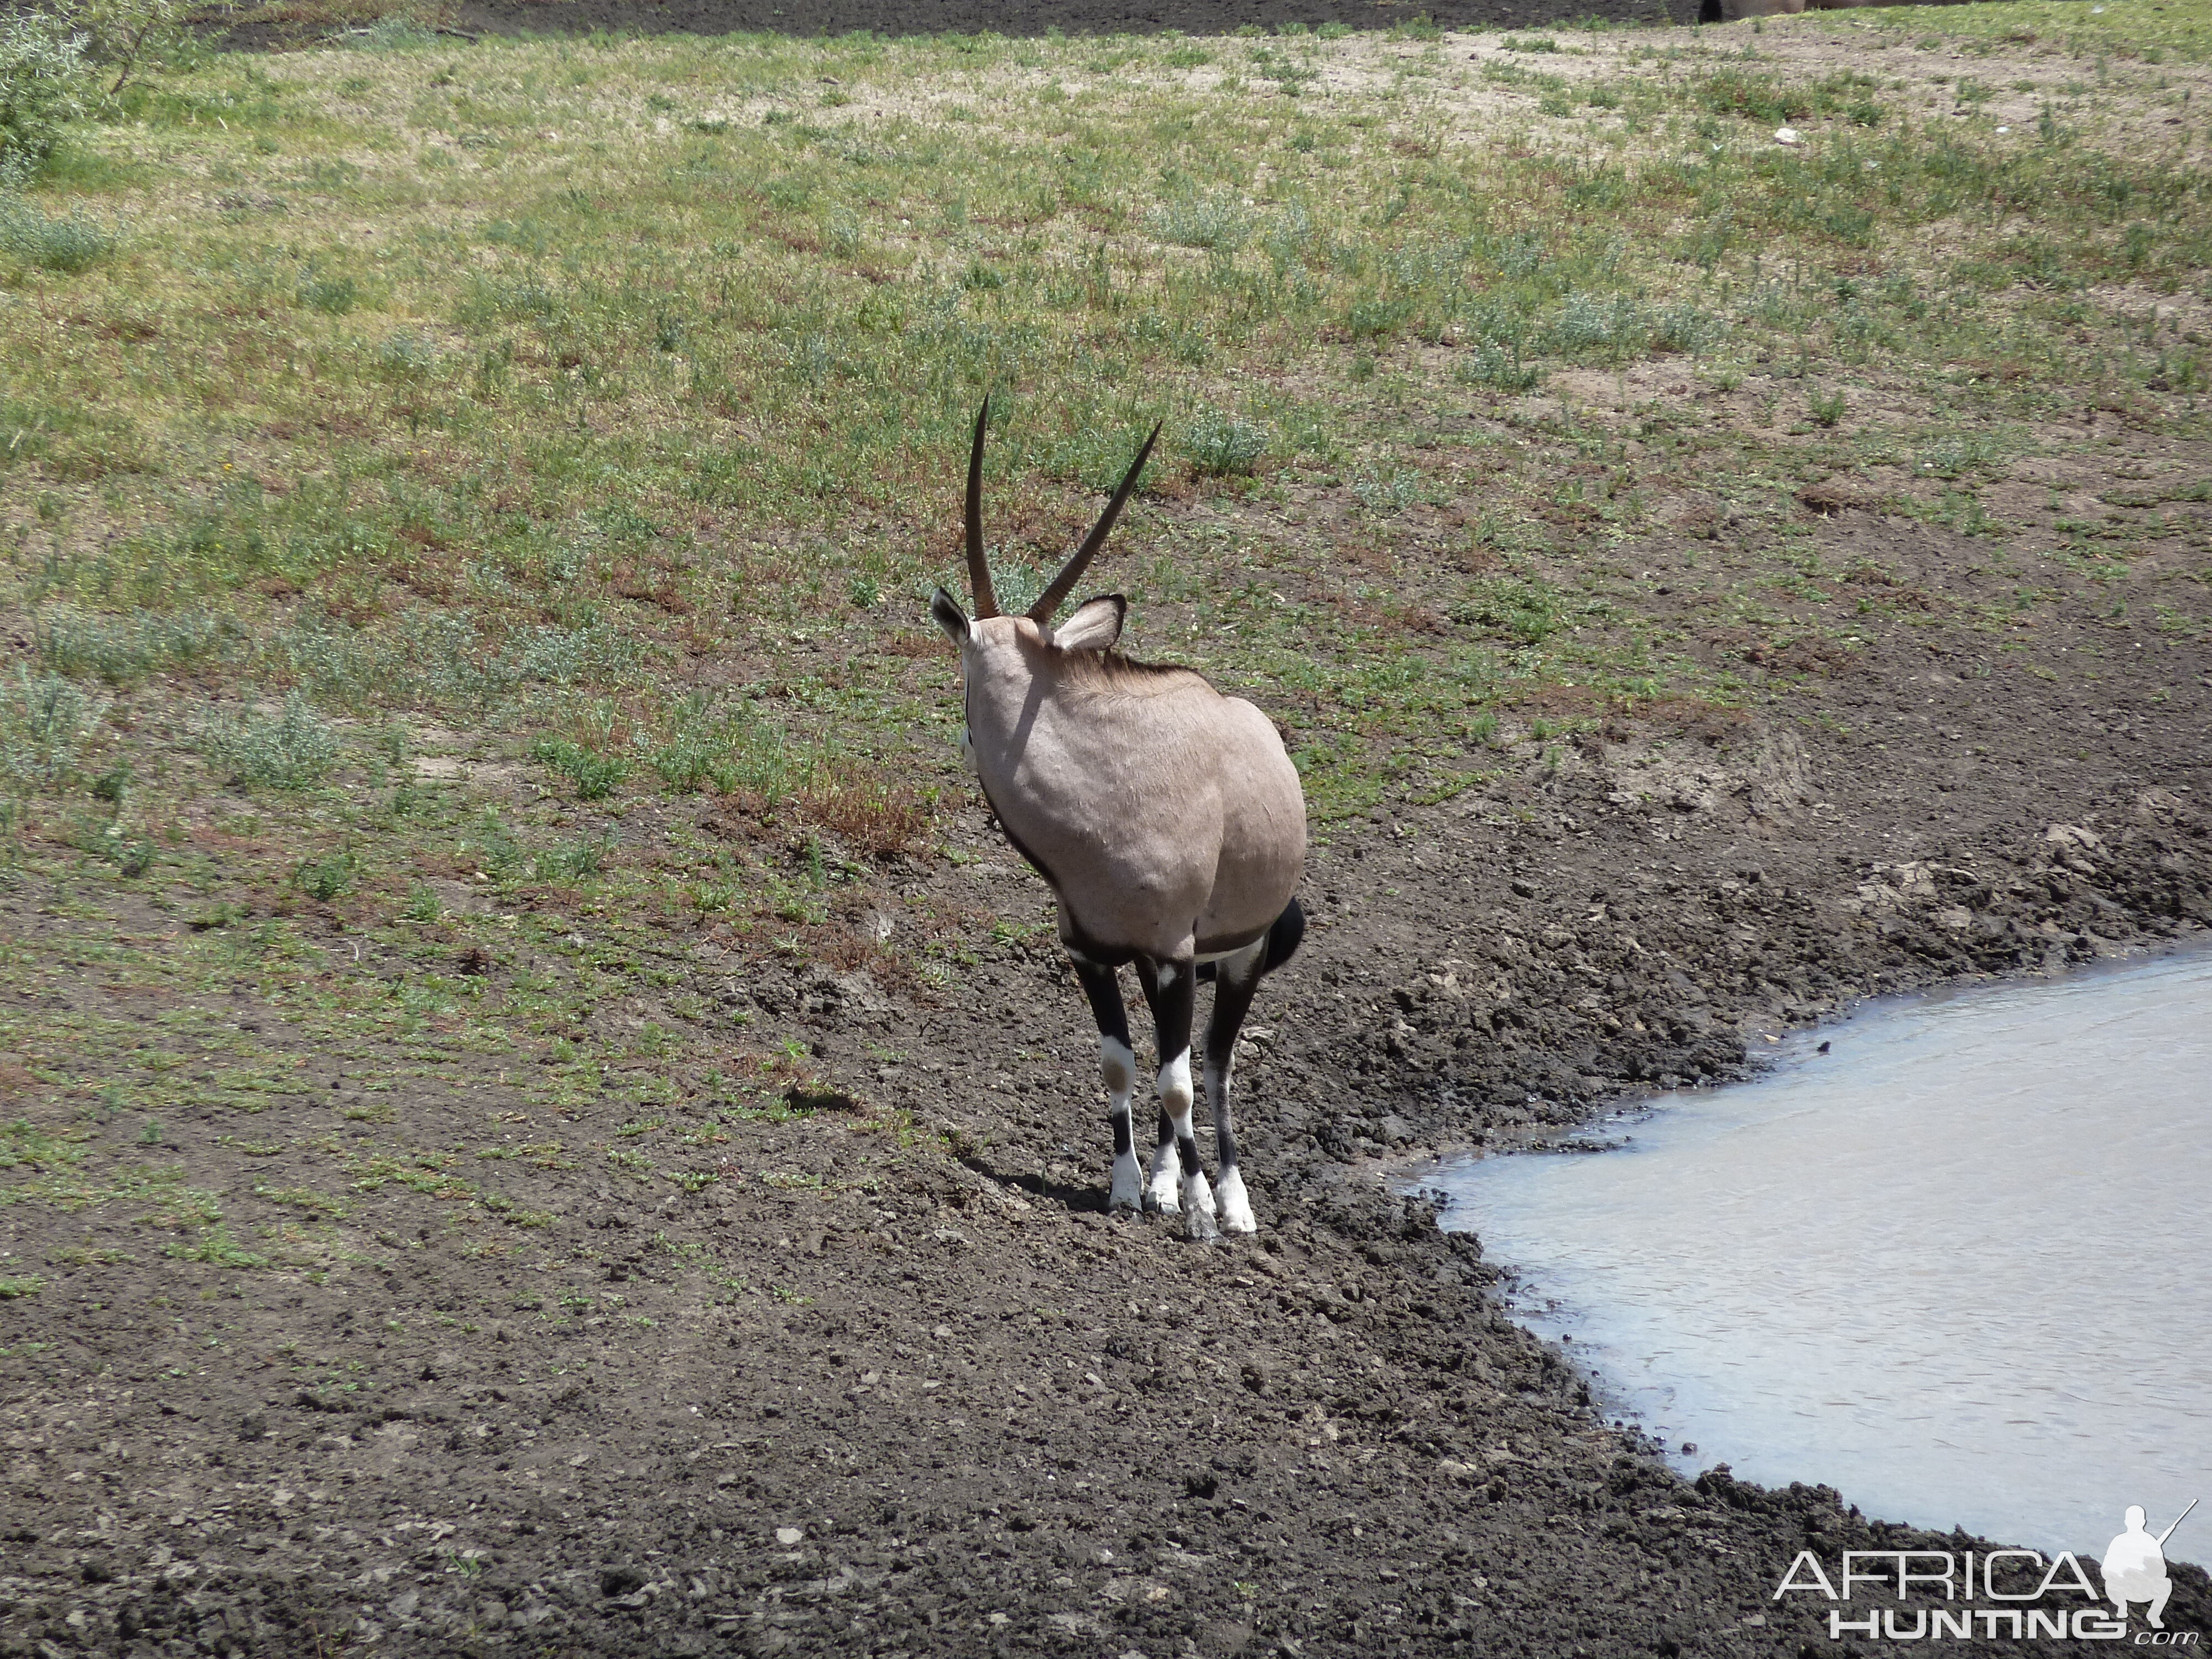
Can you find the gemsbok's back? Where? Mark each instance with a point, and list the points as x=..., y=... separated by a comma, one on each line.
x=1171, y=824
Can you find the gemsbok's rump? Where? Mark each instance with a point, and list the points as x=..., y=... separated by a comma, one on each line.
x=1171, y=825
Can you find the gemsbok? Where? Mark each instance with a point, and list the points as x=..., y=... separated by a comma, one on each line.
x=1169, y=823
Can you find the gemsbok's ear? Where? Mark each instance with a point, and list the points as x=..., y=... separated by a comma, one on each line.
x=1096, y=625
x=950, y=617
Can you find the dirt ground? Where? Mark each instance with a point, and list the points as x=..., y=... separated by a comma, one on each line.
x=1008, y=17
x=976, y=1415
x=895, y=17
x=931, y=1400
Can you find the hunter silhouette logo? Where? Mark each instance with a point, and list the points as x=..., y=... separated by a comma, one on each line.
x=1996, y=1595
x=2135, y=1566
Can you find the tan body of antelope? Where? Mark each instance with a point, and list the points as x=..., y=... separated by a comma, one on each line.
x=1171, y=825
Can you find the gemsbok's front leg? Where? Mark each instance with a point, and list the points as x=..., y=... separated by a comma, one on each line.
x=1236, y=980
x=1170, y=988
x=1117, y=1070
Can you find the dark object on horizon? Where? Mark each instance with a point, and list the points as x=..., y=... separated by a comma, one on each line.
x=248, y=28
x=1734, y=11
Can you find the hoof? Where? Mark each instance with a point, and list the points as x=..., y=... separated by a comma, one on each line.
x=1235, y=1207
x=1154, y=1206
x=1199, y=1227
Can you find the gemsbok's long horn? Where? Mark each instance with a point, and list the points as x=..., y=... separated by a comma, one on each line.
x=979, y=568
x=1048, y=601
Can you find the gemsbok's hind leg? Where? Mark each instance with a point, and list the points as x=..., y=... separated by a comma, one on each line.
x=1117, y=1069
x=1236, y=980
x=1178, y=1181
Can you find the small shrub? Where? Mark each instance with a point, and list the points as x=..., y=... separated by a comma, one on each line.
x=41, y=83
x=395, y=32
x=133, y=858
x=334, y=296
x=1682, y=328
x=68, y=246
x=1373, y=320
x=215, y=1247
x=1387, y=493
x=119, y=33
x=1218, y=444
x=1826, y=407
x=43, y=722
x=691, y=761
x=1218, y=222
x=410, y=356
x=1587, y=322
x=1527, y=612
x=595, y=776
x=290, y=751
x=324, y=879
x=1752, y=98
x=566, y=865
x=122, y=651
x=1496, y=365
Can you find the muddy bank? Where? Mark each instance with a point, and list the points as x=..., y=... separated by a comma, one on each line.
x=932, y=1400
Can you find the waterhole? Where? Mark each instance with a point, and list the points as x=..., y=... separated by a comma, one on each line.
x=1957, y=1266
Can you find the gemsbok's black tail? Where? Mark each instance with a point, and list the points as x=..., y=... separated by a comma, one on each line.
x=1284, y=936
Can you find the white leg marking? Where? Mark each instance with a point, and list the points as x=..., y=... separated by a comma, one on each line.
x=1198, y=1206
x=1228, y=1188
x=1163, y=1194
x=1117, y=1067
x=1175, y=1090
x=1235, y=1207
x=1128, y=1185
x=1195, y=1197
x=1167, y=1168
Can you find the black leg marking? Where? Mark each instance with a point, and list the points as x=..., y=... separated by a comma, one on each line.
x=1161, y=1003
x=1171, y=988
x=1103, y=988
x=1117, y=1069
x=1235, y=986
x=1233, y=991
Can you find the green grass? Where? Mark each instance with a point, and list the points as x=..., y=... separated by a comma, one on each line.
x=458, y=569
x=2139, y=30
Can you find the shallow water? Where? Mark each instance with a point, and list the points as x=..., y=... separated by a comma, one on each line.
x=1957, y=1267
